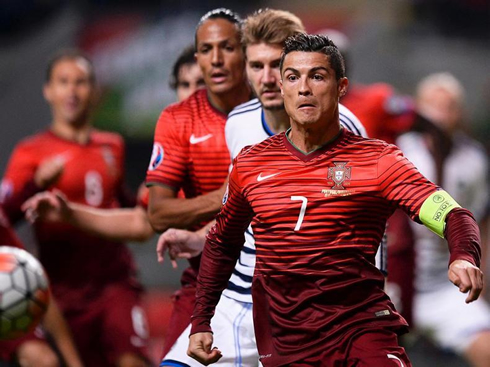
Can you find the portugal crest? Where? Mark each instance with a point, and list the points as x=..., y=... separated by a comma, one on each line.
x=339, y=174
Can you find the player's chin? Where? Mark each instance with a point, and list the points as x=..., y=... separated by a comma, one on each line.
x=275, y=104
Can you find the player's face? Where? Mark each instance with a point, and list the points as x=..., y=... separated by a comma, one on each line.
x=70, y=91
x=310, y=89
x=189, y=80
x=264, y=75
x=220, y=55
x=440, y=106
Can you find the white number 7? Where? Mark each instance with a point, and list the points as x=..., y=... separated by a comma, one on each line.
x=304, y=202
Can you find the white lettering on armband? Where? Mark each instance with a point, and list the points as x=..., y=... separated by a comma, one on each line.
x=435, y=209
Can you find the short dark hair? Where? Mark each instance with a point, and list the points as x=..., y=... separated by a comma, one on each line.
x=69, y=54
x=186, y=57
x=315, y=43
x=220, y=13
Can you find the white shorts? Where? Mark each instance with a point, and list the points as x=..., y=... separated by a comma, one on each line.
x=448, y=320
x=233, y=335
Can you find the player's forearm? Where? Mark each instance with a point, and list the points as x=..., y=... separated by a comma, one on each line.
x=56, y=325
x=217, y=264
x=112, y=224
x=463, y=236
x=165, y=213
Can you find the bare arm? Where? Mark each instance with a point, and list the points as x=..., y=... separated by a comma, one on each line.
x=167, y=211
x=182, y=244
x=56, y=325
x=128, y=224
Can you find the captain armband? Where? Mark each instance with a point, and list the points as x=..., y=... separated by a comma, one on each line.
x=435, y=209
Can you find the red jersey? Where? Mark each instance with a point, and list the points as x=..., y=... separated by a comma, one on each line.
x=190, y=149
x=383, y=113
x=190, y=153
x=318, y=220
x=79, y=265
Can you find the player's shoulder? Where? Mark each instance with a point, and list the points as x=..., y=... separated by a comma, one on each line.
x=245, y=108
x=365, y=144
x=350, y=121
x=34, y=141
x=196, y=108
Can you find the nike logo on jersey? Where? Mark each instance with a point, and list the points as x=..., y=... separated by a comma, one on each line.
x=200, y=139
x=262, y=178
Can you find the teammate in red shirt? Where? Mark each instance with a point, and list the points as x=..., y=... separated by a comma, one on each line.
x=92, y=279
x=318, y=198
x=190, y=150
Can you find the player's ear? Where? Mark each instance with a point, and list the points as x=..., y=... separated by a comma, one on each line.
x=47, y=92
x=343, y=86
x=280, y=85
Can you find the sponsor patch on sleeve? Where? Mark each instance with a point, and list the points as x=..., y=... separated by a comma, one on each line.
x=156, y=156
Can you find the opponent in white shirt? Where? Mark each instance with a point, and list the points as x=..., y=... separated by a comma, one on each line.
x=460, y=166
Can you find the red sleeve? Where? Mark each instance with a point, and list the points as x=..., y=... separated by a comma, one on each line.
x=18, y=182
x=463, y=236
x=168, y=164
x=401, y=183
x=220, y=253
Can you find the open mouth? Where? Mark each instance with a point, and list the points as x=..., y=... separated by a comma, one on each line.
x=218, y=76
x=306, y=105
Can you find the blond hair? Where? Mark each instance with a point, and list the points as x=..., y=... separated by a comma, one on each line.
x=270, y=26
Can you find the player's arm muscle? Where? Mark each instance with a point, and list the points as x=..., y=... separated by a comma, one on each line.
x=127, y=224
x=165, y=210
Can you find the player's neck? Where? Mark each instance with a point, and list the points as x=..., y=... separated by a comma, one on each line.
x=228, y=101
x=78, y=134
x=277, y=120
x=308, y=138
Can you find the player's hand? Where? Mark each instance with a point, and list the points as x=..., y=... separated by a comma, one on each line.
x=49, y=171
x=48, y=206
x=180, y=244
x=467, y=277
x=200, y=348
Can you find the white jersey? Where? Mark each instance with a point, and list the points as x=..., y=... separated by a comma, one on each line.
x=246, y=125
x=465, y=178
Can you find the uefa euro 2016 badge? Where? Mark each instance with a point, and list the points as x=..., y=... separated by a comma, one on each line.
x=339, y=174
x=225, y=196
x=156, y=156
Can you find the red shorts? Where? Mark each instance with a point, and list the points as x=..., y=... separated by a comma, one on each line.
x=184, y=300
x=110, y=326
x=366, y=348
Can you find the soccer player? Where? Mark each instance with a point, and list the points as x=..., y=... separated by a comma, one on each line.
x=186, y=75
x=93, y=280
x=264, y=34
x=440, y=155
x=190, y=150
x=318, y=198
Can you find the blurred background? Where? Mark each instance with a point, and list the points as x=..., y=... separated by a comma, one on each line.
x=134, y=44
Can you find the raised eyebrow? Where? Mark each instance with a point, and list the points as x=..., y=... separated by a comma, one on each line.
x=293, y=70
x=318, y=68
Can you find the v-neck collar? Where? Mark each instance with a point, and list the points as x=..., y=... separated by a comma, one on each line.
x=306, y=157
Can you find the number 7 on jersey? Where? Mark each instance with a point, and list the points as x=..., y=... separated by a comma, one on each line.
x=304, y=202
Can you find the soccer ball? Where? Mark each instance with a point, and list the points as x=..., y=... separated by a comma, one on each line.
x=24, y=292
